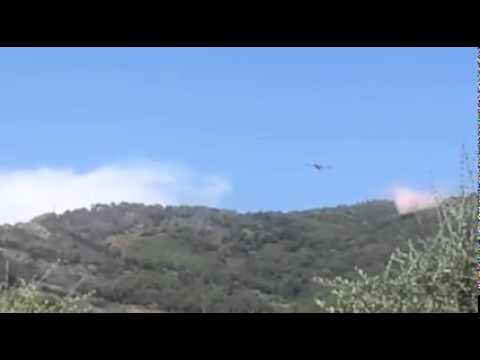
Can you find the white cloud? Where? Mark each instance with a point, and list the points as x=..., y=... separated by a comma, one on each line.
x=25, y=194
x=408, y=200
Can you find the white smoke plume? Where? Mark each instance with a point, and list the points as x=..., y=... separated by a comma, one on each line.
x=408, y=200
x=25, y=194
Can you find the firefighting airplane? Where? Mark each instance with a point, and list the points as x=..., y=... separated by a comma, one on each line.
x=320, y=167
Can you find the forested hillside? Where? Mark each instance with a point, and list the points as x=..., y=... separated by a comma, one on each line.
x=197, y=259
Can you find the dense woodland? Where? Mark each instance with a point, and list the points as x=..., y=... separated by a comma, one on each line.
x=197, y=259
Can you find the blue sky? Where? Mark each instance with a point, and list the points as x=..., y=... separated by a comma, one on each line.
x=251, y=116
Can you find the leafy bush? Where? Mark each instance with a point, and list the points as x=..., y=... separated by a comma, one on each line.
x=26, y=297
x=437, y=275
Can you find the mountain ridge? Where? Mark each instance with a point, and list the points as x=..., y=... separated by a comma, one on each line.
x=195, y=258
